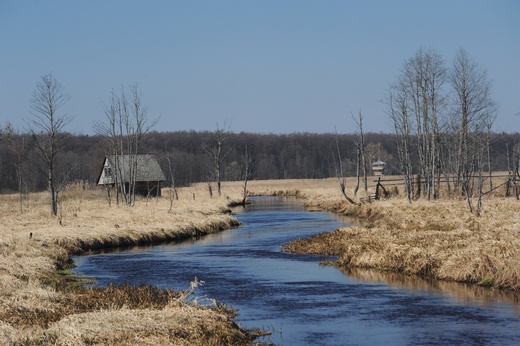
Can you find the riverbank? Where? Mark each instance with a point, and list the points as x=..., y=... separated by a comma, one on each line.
x=40, y=305
x=436, y=239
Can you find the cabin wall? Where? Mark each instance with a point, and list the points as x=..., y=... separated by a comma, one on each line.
x=151, y=189
x=145, y=189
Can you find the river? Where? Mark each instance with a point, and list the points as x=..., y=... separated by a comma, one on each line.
x=303, y=303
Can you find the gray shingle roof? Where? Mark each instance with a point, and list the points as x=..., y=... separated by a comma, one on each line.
x=148, y=168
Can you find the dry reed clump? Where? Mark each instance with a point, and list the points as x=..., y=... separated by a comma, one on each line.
x=90, y=316
x=44, y=326
x=186, y=326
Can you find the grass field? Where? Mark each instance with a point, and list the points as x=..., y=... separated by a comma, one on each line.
x=41, y=306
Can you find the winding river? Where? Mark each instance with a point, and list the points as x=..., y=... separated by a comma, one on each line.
x=303, y=303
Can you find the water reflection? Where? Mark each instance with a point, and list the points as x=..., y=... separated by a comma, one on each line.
x=459, y=292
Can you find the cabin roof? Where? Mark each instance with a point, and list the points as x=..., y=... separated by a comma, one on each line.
x=148, y=169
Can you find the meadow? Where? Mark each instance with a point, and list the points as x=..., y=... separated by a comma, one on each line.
x=42, y=304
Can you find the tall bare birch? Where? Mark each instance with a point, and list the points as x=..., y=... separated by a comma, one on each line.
x=473, y=110
x=247, y=160
x=361, y=162
x=47, y=125
x=422, y=80
x=340, y=173
x=217, y=155
x=126, y=123
x=397, y=103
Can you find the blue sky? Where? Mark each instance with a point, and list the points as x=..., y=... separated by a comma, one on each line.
x=257, y=66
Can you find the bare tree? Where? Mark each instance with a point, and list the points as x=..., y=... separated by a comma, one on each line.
x=473, y=110
x=479, y=162
x=112, y=131
x=47, y=126
x=361, y=162
x=340, y=173
x=247, y=172
x=126, y=124
x=7, y=135
x=173, y=193
x=488, y=123
x=20, y=146
x=515, y=175
x=422, y=80
x=398, y=110
x=217, y=155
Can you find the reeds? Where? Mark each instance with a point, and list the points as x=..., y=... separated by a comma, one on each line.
x=114, y=315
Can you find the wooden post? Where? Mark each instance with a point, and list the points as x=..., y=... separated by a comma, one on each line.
x=418, y=194
x=508, y=185
x=515, y=186
x=379, y=185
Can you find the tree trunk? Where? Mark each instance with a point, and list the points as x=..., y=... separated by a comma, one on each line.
x=52, y=190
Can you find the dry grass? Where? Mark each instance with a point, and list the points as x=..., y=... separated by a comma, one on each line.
x=122, y=316
x=37, y=307
x=438, y=239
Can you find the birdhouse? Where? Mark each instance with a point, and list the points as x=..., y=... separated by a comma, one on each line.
x=378, y=168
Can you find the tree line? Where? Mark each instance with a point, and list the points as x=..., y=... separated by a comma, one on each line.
x=273, y=156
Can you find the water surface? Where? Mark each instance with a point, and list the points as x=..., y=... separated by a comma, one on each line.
x=303, y=303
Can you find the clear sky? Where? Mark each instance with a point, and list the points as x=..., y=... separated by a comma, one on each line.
x=269, y=66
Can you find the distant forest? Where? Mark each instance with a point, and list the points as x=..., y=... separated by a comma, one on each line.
x=273, y=156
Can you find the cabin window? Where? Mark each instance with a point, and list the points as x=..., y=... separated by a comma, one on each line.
x=108, y=171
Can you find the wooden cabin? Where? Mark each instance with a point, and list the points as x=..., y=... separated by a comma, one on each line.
x=378, y=168
x=119, y=168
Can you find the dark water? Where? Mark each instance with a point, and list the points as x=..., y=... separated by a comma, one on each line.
x=303, y=303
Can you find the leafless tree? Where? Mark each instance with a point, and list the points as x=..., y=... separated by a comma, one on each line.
x=126, y=124
x=361, y=162
x=422, y=80
x=479, y=161
x=47, y=125
x=247, y=172
x=17, y=143
x=217, y=155
x=340, y=173
x=20, y=146
x=473, y=110
x=516, y=169
x=488, y=123
x=173, y=194
x=398, y=109
x=112, y=131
